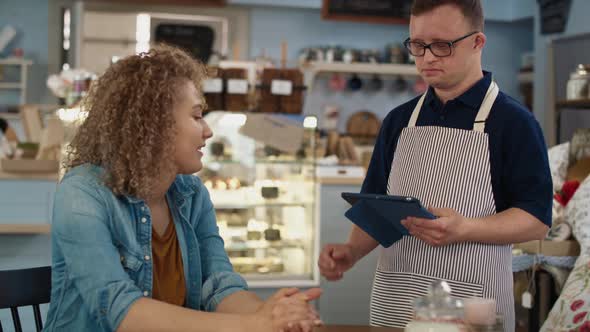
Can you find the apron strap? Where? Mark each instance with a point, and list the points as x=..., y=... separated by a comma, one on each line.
x=482, y=115
x=486, y=106
x=416, y=111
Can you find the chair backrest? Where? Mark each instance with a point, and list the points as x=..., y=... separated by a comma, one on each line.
x=23, y=288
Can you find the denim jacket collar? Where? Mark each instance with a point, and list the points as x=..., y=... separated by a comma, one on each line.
x=179, y=189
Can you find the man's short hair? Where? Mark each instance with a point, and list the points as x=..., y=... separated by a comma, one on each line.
x=471, y=9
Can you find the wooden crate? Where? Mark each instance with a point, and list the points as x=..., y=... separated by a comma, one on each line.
x=215, y=100
x=276, y=103
x=235, y=101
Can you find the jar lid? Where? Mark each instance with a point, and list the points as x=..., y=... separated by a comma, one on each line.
x=582, y=71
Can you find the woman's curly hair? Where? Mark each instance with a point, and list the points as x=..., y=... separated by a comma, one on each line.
x=130, y=126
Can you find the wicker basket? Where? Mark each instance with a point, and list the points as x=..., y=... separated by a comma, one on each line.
x=363, y=126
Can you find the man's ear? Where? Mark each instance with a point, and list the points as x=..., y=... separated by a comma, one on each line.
x=480, y=41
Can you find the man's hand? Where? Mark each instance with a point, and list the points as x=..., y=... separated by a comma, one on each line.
x=450, y=227
x=335, y=259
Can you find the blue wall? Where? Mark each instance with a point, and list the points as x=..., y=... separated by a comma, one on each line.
x=30, y=18
x=270, y=25
x=577, y=24
x=496, y=10
x=505, y=46
x=507, y=41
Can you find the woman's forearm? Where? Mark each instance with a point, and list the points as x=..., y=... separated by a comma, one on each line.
x=146, y=315
x=242, y=302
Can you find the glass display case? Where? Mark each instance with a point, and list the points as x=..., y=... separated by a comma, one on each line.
x=260, y=172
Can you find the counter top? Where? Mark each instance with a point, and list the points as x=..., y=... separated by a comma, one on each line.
x=348, y=328
x=22, y=229
x=29, y=176
x=55, y=177
x=328, y=180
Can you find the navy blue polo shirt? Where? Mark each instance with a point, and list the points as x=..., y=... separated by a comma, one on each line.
x=518, y=155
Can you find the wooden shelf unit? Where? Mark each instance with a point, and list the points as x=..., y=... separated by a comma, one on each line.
x=311, y=69
x=574, y=105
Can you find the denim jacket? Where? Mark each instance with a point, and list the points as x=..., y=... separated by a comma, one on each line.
x=101, y=247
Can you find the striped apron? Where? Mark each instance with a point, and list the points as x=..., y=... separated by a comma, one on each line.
x=443, y=167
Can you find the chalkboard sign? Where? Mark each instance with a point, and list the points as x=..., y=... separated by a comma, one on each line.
x=554, y=15
x=369, y=11
x=196, y=39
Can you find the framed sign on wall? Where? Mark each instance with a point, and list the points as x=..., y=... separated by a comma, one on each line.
x=368, y=11
x=554, y=15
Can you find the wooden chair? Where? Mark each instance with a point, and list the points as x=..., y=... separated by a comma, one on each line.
x=25, y=287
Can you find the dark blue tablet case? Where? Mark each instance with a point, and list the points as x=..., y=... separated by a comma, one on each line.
x=380, y=216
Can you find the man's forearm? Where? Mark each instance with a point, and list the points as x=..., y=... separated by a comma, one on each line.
x=361, y=242
x=511, y=226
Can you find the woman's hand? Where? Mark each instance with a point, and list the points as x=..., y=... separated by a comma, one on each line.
x=287, y=310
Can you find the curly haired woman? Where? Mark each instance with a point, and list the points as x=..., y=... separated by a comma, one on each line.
x=135, y=241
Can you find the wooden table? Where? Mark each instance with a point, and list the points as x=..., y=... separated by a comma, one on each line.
x=349, y=328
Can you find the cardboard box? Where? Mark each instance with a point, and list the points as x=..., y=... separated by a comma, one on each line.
x=275, y=131
x=550, y=248
x=531, y=247
x=560, y=248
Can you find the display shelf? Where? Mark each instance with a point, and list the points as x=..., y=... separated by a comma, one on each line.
x=261, y=193
x=11, y=85
x=579, y=104
x=23, y=73
x=265, y=162
x=239, y=206
x=15, y=61
x=250, y=245
x=312, y=69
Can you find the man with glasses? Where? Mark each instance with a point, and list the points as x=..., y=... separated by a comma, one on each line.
x=473, y=154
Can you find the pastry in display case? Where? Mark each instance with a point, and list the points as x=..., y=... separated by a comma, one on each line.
x=260, y=173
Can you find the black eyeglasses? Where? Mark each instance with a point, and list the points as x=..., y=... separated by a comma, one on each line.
x=439, y=48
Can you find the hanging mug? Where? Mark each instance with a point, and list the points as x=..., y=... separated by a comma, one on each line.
x=337, y=83
x=400, y=84
x=355, y=83
x=375, y=84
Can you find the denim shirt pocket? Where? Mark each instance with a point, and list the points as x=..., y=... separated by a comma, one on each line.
x=130, y=262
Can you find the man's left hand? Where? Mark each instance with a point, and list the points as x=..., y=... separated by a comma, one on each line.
x=449, y=227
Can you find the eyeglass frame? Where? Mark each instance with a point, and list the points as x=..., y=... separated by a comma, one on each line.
x=451, y=44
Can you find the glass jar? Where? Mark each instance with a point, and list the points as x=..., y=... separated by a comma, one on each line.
x=577, y=85
x=437, y=311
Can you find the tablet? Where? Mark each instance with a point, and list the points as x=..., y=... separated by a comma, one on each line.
x=380, y=216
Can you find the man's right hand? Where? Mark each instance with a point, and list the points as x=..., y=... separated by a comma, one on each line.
x=335, y=259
